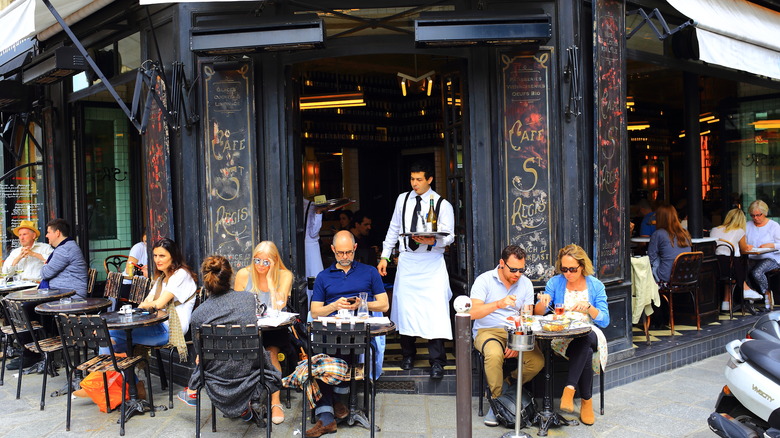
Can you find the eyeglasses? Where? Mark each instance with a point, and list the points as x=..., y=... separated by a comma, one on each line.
x=515, y=270
x=564, y=269
x=344, y=253
x=757, y=215
x=263, y=262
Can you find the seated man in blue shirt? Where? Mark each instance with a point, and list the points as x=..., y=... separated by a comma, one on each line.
x=333, y=288
x=496, y=295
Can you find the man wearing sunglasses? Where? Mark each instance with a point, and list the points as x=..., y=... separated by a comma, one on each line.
x=495, y=296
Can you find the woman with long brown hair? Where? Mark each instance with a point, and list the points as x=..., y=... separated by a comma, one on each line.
x=667, y=242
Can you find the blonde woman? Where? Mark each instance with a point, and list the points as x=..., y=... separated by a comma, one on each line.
x=732, y=232
x=271, y=282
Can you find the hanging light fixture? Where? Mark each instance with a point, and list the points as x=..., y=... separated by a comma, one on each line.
x=424, y=83
x=332, y=100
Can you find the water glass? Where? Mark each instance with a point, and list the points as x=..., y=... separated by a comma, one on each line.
x=362, y=310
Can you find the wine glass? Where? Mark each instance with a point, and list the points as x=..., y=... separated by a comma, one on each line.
x=19, y=271
x=559, y=309
x=3, y=279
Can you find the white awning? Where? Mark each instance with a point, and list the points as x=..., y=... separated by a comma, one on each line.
x=735, y=34
x=24, y=18
x=157, y=2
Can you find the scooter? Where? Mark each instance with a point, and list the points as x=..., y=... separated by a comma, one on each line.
x=767, y=327
x=749, y=404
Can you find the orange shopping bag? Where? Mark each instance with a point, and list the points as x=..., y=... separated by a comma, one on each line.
x=93, y=386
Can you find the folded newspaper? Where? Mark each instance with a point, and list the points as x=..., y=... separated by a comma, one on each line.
x=276, y=321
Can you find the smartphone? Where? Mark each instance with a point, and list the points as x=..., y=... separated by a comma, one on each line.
x=352, y=300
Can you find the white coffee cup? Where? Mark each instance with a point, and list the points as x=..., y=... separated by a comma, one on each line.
x=127, y=308
x=344, y=314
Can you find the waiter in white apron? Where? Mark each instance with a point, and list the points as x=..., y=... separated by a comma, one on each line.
x=421, y=293
x=311, y=240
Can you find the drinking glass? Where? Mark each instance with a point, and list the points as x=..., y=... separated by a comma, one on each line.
x=3, y=279
x=19, y=272
x=559, y=309
x=527, y=313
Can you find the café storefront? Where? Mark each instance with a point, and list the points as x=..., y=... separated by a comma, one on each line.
x=521, y=107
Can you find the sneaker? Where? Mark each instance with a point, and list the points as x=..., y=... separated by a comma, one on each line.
x=490, y=419
x=189, y=399
x=750, y=294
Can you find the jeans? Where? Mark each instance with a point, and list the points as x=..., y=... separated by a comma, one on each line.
x=154, y=335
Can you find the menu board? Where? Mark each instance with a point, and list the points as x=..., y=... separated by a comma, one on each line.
x=610, y=131
x=158, y=172
x=526, y=141
x=229, y=132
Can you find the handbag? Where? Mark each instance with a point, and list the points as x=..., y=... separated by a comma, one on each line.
x=505, y=407
x=93, y=385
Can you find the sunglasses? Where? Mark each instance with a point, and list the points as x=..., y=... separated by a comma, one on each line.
x=515, y=270
x=565, y=269
x=263, y=262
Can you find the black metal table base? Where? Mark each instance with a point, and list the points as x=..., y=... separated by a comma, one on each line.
x=140, y=406
x=357, y=416
x=546, y=419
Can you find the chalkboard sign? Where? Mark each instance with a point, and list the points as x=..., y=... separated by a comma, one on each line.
x=229, y=129
x=527, y=156
x=158, y=173
x=610, y=136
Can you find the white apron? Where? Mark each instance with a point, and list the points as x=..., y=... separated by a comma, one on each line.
x=421, y=296
x=313, y=258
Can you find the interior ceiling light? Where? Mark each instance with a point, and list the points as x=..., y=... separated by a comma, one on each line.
x=332, y=100
x=425, y=82
x=766, y=124
x=706, y=117
x=638, y=126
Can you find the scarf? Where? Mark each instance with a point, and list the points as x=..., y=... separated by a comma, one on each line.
x=175, y=334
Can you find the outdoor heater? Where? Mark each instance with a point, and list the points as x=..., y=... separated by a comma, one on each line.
x=448, y=29
x=233, y=34
x=54, y=67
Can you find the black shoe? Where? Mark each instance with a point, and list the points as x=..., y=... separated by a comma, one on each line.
x=407, y=363
x=437, y=372
x=26, y=361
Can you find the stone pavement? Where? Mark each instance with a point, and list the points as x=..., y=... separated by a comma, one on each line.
x=672, y=404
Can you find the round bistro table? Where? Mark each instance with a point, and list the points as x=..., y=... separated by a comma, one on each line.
x=78, y=306
x=547, y=416
x=39, y=294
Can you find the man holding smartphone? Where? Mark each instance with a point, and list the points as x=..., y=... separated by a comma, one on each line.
x=495, y=296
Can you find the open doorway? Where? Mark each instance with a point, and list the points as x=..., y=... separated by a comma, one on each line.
x=364, y=152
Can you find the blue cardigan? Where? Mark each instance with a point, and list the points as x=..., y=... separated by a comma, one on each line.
x=597, y=295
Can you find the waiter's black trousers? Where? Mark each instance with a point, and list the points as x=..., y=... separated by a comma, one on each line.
x=435, y=349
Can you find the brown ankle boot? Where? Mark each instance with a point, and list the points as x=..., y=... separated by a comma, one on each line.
x=586, y=411
x=567, y=399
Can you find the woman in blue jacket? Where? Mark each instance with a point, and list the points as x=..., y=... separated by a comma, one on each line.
x=584, y=299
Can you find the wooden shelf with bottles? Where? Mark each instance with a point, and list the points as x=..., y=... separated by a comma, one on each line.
x=388, y=119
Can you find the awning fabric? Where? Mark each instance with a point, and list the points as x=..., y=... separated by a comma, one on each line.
x=24, y=18
x=735, y=34
x=157, y=2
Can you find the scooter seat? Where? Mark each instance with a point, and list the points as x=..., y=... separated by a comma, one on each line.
x=764, y=355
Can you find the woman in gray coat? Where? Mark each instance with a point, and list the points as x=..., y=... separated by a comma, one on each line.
x=232, y=386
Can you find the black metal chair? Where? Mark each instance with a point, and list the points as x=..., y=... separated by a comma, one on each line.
x=346, y=341
x=115, y=263
x=39, y=345
x=7, y=338
x=228, y=343
x=89, y=333
x=726, y=276
x=683, y=279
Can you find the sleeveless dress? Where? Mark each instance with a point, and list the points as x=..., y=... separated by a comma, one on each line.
x=271, y=337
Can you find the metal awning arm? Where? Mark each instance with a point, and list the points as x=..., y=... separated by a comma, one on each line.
x=661, y=34
x=93, y=65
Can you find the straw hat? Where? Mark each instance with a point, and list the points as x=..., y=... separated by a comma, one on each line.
x=29, y=225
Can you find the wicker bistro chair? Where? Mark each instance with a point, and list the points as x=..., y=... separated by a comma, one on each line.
x=7, y=336
x=115, y=263
x=91, y=276
x=18, y=318
x=350, y=341
x=228, y=343
x=113, y=285
x=89, y=333
x=684, y=279
x=139, y=289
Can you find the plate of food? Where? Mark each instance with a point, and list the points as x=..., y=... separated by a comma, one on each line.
x=555, y=325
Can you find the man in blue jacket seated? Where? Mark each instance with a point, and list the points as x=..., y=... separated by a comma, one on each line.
x=65, y=267
x=334, y=288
